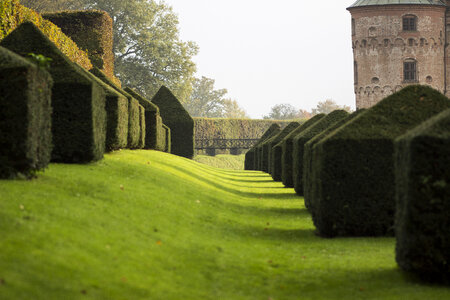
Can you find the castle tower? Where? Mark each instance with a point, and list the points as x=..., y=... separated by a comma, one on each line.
x=397, y=43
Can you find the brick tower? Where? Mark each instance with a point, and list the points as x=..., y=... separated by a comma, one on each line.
x=397, y=43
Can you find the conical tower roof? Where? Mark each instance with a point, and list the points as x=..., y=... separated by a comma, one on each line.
x=360, y=3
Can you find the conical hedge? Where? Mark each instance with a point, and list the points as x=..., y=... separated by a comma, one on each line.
x=422, y=224
x=355, y=164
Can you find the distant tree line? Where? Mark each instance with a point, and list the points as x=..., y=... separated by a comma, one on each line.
x=289, y=112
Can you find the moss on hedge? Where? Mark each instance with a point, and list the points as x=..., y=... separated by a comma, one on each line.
x=12, y=14
x=92, y=31
x=356, y=194
x=287, y=147
x=309, y=176
x=301, y=139
x=422, y=223
x=78, y=102
x=250, y=156
x=178, y=120
x=269, y=143
x=25, y=116
x=153, y=122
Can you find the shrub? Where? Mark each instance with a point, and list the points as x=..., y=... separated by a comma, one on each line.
x=250, y=156
x=153, y=122
x=287, y=147
x=79, y=116
x=166, y=135
x=301, y=139
x=25, y=116
x=142, y=127
x=356, y=193
x=178, y=120
x=275, y=158
x=117, y=119
x=259, y=150
x=309, y=176
x=422, y=160
x=12, y=14
x=134, y=125
x=92, y=31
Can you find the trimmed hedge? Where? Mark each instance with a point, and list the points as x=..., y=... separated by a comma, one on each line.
x=218, y=128
x=309, y=177
x=301, y=139
x=272, y=142
x=356, y=193
x=78, y=102
x=259, y=153
x=287, y=148
x=166, y=135
x=422, y=223
x=12, y=14
x=178, y=120
x=153, y=122
x=92, y=31
x=142, y=127
x=250, y=156
x=25, y=116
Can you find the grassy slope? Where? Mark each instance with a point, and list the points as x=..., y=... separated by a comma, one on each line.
x=179, y=230
x=222, y=161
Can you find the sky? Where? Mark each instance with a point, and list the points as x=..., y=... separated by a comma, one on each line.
x=271, y=52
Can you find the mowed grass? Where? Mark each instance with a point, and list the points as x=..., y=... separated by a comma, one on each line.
x=222, y=161
x=149, y=225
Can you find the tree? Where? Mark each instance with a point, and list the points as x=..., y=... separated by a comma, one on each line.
x=51, y=5
x=282, y=112
x=205, y=101
x=231, y=109
x=147, y=48
x=328, y=106
x=303, y=114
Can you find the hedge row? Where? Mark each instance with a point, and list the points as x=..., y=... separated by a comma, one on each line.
x=422, y=224
x=353, y=183
x=92, y=31
x=178, y=120
x=12, y=14
x=287, y=149
x=79, y=117
x=301, y=139
x=25, y=116
x=206, y=128
x=250, y=156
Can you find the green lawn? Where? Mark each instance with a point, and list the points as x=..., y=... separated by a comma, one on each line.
x=149, y=225
x=222, y=161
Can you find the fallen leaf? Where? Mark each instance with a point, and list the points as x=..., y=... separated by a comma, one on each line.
x=22, y=207
x=269, y=261
x=124, y=279
x=198, y=201
x=268, y=224
x=304, y=257
x=108, y=247
x=266, y=229
x=259, y=197
x=158, y=242
x=121, y=187
x=2, y=281
x=361, y=289
x=84, y=292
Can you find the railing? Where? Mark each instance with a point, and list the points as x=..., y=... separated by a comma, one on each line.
x=224, y=143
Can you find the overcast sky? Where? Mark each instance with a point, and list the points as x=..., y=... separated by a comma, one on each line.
x=270, y=52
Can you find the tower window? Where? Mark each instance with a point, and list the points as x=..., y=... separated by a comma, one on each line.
x=355, y=71
x=409, y=23
x=410, y=71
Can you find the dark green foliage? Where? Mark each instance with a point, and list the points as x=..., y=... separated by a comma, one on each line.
x=142, y=127
x=309, y=178
x=218, y=128
x=134, y=125
x=355, y=164
x=166, y=135
x=92, y=32
x=259, y=159
x=250, y=156
x=79, y=116
x=287, y=149
x=275, y=159
x=422, y=223
x=153, y=122
x=301, y=139
x=117, y=120
x=178, y=120
x=25, y=116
